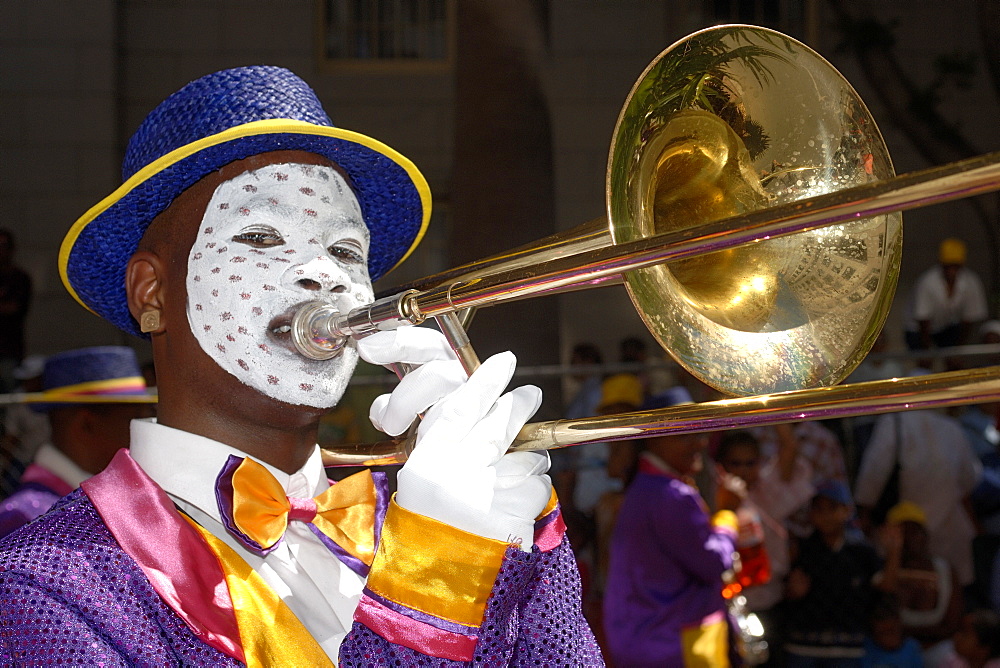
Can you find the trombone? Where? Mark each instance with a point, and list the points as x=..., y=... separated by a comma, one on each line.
x=759, y=242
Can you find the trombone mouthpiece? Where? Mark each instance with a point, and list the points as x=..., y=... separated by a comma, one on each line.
x=314, y=331
x=319, y=331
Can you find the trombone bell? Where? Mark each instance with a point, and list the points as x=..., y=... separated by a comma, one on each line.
x=729, y=121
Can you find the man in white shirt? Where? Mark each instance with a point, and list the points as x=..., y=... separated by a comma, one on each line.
x=83, y=436
x=938, y=471
x=948, y=301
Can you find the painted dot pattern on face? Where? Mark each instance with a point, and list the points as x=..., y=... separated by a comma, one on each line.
x=269, y=216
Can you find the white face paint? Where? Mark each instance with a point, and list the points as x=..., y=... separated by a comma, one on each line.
x=270, y=240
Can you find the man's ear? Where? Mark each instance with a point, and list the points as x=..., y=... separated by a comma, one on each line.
x=145, y=285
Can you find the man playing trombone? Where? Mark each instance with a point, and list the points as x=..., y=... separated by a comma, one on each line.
x=218, y=540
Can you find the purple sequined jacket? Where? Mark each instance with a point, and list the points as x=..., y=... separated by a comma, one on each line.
x=69, y=594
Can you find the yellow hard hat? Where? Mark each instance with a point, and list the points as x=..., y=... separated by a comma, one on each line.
x=906, y=511
x=952, y=251
x=622, y=388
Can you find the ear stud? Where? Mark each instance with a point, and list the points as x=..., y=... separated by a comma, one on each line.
x=149, y=321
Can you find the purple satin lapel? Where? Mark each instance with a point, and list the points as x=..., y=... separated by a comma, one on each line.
x=187, y=576
x=381, y=503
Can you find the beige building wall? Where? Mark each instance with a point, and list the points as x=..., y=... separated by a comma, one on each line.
x=77, y=76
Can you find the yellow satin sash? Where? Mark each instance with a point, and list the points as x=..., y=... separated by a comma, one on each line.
x=270, y=632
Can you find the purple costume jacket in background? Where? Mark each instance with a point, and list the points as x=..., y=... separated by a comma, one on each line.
x=69, y=593
x=665, y=571
x=37, y=491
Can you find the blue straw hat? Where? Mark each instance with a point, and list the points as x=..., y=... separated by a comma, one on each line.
x=100, y=374
x=674, y=396
x=207, y=124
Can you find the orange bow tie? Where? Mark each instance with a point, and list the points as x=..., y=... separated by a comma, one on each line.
x=256, y=511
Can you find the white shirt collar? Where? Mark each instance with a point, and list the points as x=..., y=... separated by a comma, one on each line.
x=53, y=459
x=186, y=465
x=659, y=464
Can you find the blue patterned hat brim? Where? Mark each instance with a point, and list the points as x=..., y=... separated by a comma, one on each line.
x=394, y=197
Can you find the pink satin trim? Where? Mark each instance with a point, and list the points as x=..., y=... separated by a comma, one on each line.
x=713, y=618
x=187, y=577
x=41, y=475
x=303, y=510
x=549, y=536
x=424, y=638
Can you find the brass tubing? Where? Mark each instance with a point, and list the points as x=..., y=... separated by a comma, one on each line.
x=940, y=390
x=555, y=270
x=587, y=236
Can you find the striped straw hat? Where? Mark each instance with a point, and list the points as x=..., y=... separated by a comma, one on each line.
x=102, y=374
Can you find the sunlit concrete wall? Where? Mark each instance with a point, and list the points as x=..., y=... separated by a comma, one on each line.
x=77, y=76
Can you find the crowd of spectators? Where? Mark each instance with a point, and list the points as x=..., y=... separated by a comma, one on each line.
x=860, y=543
x=873, y=541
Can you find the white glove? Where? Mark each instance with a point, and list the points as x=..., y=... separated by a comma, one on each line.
x=458, y=472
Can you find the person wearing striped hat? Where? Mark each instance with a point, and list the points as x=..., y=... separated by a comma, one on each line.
x=90, y=395
x=217, y=539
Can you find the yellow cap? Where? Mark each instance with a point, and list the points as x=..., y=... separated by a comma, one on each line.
x=622, y=388
x=906, y=511
x=952, y=251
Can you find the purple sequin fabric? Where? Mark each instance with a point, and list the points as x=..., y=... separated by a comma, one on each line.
x=29, y=501
x=69, y=595
x=533, y=618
